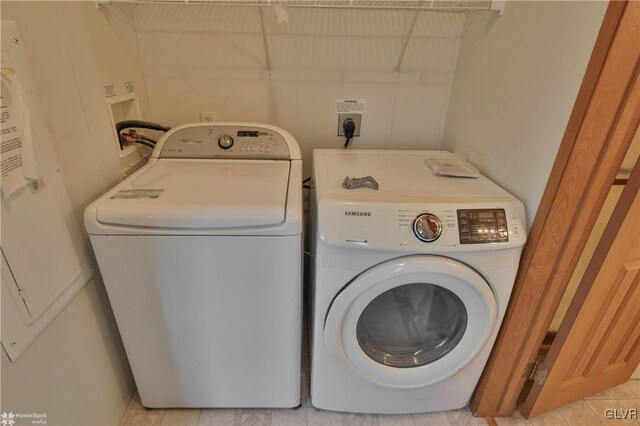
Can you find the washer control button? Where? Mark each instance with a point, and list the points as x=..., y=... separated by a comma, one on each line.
x=225, y=142
x=427, y=227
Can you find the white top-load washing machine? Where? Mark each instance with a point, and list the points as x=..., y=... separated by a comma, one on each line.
x=200, y=251
x=410, y=283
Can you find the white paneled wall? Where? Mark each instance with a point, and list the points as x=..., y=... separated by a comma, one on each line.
x=212, y=58
x=515, y=85
x=76, y=371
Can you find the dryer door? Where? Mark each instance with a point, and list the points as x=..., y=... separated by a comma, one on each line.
x=411, y=321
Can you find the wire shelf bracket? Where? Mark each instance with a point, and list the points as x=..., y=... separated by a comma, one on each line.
x=265, y=39
x=405, y=43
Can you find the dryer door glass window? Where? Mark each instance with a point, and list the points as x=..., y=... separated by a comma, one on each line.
x=411, y=325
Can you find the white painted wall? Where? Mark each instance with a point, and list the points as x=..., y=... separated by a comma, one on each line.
x=515, y=84
x=212, y=58
x=76, y=371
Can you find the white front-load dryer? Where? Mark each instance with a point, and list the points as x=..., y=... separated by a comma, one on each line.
x=200, y=251
x=411, y=278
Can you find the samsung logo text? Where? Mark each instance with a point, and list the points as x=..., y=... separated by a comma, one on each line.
x=347, y=213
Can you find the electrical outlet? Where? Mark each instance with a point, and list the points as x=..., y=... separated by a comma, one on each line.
x=357, y=119
x=207, y=116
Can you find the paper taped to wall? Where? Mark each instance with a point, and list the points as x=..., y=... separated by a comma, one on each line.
x=355, y=106
x=18, y=165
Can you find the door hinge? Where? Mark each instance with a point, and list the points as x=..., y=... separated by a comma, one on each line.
x=535, y=371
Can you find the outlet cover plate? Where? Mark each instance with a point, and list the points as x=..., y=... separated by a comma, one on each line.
x=357, y=118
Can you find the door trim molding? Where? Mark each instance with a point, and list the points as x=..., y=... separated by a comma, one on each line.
x=600, y=129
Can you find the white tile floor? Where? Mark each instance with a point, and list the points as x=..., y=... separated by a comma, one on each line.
x=589, y=411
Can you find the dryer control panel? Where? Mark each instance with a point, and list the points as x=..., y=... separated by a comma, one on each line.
x=421, y=227
x=478, y=226
x=246, y=142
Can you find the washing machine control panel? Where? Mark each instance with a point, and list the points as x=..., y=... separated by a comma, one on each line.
x=248, y=142
x=478, y=226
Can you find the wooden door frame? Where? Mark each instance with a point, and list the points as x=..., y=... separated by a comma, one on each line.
x=601, y=127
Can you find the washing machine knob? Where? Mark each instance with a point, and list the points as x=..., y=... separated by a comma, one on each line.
x=225, y=142
x=427, y=227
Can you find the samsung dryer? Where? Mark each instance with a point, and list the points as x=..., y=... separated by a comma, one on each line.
x=200, y=251
x=412, y=274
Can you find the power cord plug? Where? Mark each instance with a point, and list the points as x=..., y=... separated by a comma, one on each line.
x=349, y=127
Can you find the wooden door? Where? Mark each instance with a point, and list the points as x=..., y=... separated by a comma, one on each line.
x=598, y=343
x=601, y=127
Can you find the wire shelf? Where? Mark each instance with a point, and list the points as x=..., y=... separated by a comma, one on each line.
x=433, y=5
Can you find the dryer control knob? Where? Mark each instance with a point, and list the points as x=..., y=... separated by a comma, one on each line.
x=427, y=227
x=225, y=142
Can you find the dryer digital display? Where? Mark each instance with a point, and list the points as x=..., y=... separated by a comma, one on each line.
x=478, y=226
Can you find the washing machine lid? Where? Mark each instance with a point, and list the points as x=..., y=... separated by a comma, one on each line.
x=200, y=194
x=401, y=175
